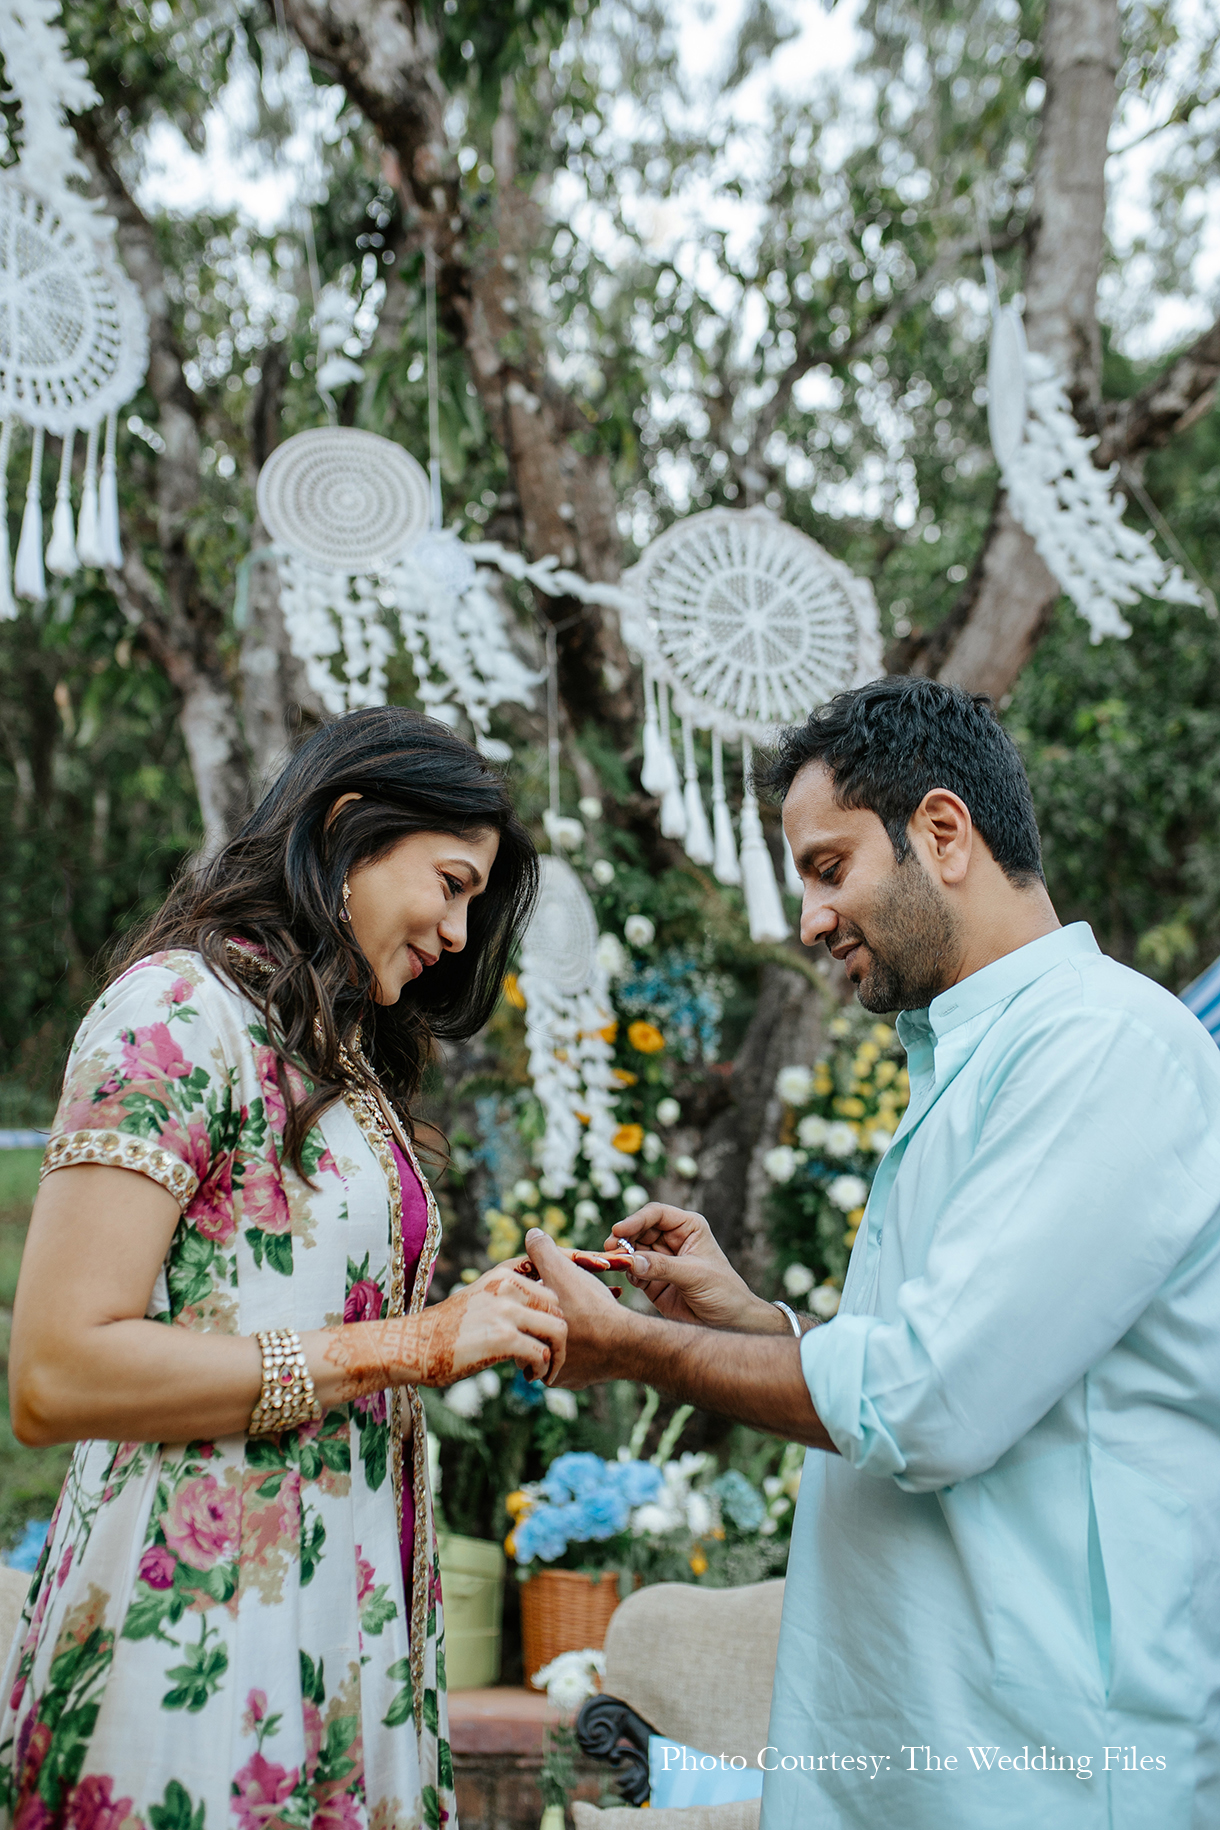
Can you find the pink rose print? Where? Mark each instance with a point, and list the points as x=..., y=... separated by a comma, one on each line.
x=211, y=1208
x=255, y=1711
x=91, y=1806
x=259, y=1789
x=338, y=1812
x=364, y=1575
x=311, y=1722
x=157, y=1567
x=364, y=1302
x=152, y=1054
x=33, y=1746
x=373, y=1407
x=263, y=1202
x=61, y=1574
x=269, y=1087
x=273, y=1526
x=180, y=991
x=203, y=1522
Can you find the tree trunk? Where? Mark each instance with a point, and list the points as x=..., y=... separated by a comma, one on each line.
x=1006, y=607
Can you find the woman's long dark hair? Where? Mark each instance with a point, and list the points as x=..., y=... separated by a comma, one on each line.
x=279, y=883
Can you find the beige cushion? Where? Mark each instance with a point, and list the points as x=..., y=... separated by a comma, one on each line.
x=698, y=1664
x=14, y=1587
x=690, y=1817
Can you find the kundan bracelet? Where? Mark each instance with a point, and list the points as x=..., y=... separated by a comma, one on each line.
x=287, y=1397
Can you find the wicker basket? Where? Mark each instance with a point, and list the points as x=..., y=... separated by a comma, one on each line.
x=564, y=1611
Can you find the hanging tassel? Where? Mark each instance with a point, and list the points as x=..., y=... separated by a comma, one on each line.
x=652, y=773
x=763, y=906
x=725, y=867
x=28, y=575
x=8, y=606
x=673, y=811
x=88, y=533
x=792, y=877
x=61, y=553
x=698, y=838
x=108, y=499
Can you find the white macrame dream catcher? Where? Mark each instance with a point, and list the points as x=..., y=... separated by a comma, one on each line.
x=1062, y=500
x=742, y=624
x=73, y=332
x=567, y=1014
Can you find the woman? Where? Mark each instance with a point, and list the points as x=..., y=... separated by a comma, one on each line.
x=222, y=1302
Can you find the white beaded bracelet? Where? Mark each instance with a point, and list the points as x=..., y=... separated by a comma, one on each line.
x=287, y=1398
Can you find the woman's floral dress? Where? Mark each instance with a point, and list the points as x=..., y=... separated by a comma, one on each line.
x=217, y=1633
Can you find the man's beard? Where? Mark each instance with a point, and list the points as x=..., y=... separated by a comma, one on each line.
x=913, y=939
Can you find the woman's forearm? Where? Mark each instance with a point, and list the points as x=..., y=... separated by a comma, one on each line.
x=140, y=1381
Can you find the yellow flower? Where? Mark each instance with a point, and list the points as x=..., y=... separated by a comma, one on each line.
x=839, y=1026
x=645, y=1038
x=622, y=1077
x=510, y=1544
x=718, y=1533
x=862, y=1086
x=868, y=1052
x=554, y=1220
x=849, y=1237
x=513, y=991
x=697, y=1560
x=503, y=1235
x=854, y=1217
x=882, y=1034
x=628, y=1139
x=610, y=1032
x=886, y=1071
x=516, y=1504
x=850, y=1108
x=887, y=1121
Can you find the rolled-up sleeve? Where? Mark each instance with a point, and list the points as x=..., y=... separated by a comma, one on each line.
x=1095, y=1167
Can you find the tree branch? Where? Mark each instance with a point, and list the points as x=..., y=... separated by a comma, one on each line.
x=1180, y=395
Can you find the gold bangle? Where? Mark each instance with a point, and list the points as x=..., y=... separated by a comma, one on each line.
x=287, y=1398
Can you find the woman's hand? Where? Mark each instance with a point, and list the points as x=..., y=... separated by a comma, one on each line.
x=502, y=1316
x=684, y=1274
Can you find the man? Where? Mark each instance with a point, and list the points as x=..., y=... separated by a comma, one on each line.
x=1004, y=1567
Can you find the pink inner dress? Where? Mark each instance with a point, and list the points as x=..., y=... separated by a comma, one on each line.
x=414, y=1232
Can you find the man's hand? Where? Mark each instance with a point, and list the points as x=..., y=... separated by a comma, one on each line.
x=686, y=1277
x=597, y=1324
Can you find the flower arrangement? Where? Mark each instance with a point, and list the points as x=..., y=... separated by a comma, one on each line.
x=839, y=1119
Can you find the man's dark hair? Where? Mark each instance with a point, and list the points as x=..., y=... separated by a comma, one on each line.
x=887, y=744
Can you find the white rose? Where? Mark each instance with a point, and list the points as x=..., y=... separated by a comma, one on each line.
x=879, y=1142
x=488, y=1382
x=668, y=1112
x=794, y=1085
x=699, y=1517
x=639, y=931
x=569, y=1679
x=590, y=807
x=686, y=1166
x=560, y=1403
x=612, y=956
x=813, y=1131
x=585, y=1213
x=564, y=834
x=847, y=1192
x=825, y=1301
x=465, y=1398
x=797, y=1279
x=780, y=1163
x=652, y=1147
x=526, y=1192
x=634, y=1196
x=841, y=1140
x=603, y=871
x=605, y=1181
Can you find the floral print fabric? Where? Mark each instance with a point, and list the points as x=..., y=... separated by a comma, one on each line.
x=217, y=1634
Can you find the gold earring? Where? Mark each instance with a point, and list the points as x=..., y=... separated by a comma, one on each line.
x=347, y=896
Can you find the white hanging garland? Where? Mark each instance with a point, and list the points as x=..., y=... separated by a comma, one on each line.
x=1061, y=498
x=76, y=342
x=568, y=1024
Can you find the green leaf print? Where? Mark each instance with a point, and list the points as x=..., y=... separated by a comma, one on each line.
x=432, y=1808
x=174, y=1812
x=333, y=1763
x=69, y=1708
x=144, y=1115
x=312, y=1152
x=190, y=1275
x=313, y=1690
x=150, y=1612
x=199, y=1675
x=313, y=1537
x=278, y=1247
x=400, y=1709
x=378, y=1610
x=431, y=1718
x=444, y=1765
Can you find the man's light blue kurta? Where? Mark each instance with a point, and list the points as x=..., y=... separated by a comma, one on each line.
x=1018, y=1550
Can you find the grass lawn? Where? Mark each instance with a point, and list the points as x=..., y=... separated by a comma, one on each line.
x=30, y=1479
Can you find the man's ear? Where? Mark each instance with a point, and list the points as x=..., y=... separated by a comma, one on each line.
x=942, y=827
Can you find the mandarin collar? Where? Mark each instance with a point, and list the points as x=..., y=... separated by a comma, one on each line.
x=996, y=983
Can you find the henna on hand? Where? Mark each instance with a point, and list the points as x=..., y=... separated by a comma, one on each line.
x=473, y=1328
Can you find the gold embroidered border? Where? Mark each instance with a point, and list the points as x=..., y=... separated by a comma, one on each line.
x=119, y=1150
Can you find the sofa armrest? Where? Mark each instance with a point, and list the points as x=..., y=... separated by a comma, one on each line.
x=608, y=1729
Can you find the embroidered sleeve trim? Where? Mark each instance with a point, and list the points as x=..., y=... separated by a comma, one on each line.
x=118, y=1150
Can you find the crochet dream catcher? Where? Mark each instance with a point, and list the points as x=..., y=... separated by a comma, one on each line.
x=742, y=624
x=1058, y=494
x=343, y=500
x=73, y=333
x=569, y=1032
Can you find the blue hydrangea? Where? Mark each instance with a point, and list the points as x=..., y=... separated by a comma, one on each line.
x=637, y=1481
x=541, y=1534
x=599, y=1515
x=741, y=1502
x=571, y=1475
